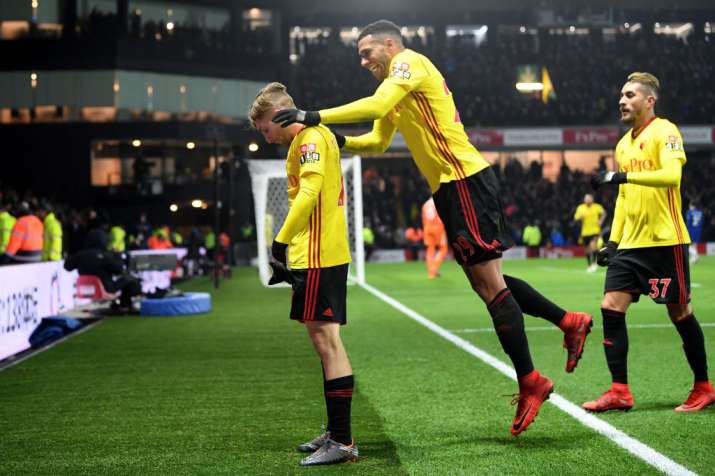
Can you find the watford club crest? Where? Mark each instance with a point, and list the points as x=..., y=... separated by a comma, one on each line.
x=401, y=70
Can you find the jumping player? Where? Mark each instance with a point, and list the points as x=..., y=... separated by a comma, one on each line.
x=414, y=98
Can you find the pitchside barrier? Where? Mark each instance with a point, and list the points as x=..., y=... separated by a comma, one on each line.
x=30, y=292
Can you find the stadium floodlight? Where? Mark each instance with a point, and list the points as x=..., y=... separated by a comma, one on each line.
x=173, y=207
x=191, y=145
x=136, y=143
x=529, y=87
x=253, y=147
x=196, y=203
x=270, y=199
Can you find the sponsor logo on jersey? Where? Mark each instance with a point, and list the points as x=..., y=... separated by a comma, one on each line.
x=401, y=70
x=673, y=144
x=308, y=155
x=635, y=165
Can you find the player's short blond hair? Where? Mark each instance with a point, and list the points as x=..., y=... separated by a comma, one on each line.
x=646, y=80
x=273, y=95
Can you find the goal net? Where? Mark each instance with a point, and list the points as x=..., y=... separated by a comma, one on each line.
x=270, y=198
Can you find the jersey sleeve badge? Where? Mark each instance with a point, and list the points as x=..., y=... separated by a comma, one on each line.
x=673, y=144
x=308, y=154
x=401, y=70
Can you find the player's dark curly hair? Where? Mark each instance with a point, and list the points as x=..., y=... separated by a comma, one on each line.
x=381, y=27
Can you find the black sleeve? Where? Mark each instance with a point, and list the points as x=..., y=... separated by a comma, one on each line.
x=71, y=262
x=112, y=264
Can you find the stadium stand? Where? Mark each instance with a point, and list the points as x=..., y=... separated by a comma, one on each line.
x=392, y=198
x=587, y=91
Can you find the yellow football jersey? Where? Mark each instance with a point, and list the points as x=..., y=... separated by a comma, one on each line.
x=323, y=242
x=650, y=215
x=590, y=216
x=425, y=115
x=429, y=121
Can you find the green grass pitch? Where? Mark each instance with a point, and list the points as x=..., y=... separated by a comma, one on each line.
x=233, y=392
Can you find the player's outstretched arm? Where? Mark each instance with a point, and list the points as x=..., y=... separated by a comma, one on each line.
x=667, y=176
x=386, y=96
x=286, y=117
x=377, y=140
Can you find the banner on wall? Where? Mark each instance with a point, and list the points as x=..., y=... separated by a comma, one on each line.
x=596, y=136
x=29, y=292
x=532, y=137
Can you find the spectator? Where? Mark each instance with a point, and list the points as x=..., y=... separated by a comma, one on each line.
x=52, y=239
x=94, y=259
x=117, y=239
x=159, y=239
x=25, y=245
x=368, y=239
x=141, y=232
x=532, y=238
x=7, y=222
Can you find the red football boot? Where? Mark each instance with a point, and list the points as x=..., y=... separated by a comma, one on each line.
x=701, y=396
x=618, y=397
x=534, y=389
x=576, y=326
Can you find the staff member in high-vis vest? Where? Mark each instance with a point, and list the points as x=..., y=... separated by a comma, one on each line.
x=25, y=244
x=52, y=237
x=7, y=221
x=117, y=237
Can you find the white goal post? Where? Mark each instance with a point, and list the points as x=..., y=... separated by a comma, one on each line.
x=270, y=199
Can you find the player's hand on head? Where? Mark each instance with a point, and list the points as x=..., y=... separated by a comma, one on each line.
x=608, y=178
x=286, y=117
x=604, y=255
x=281, y=274
x=278, y=250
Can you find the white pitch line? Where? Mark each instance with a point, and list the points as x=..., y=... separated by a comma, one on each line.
x=630, y=444
x=554, y=328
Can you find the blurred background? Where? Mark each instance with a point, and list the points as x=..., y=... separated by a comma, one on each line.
x=133, y=113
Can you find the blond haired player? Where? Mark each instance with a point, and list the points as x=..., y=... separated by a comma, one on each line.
x=647, y=252
x=414, y=98
x=314, y=234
